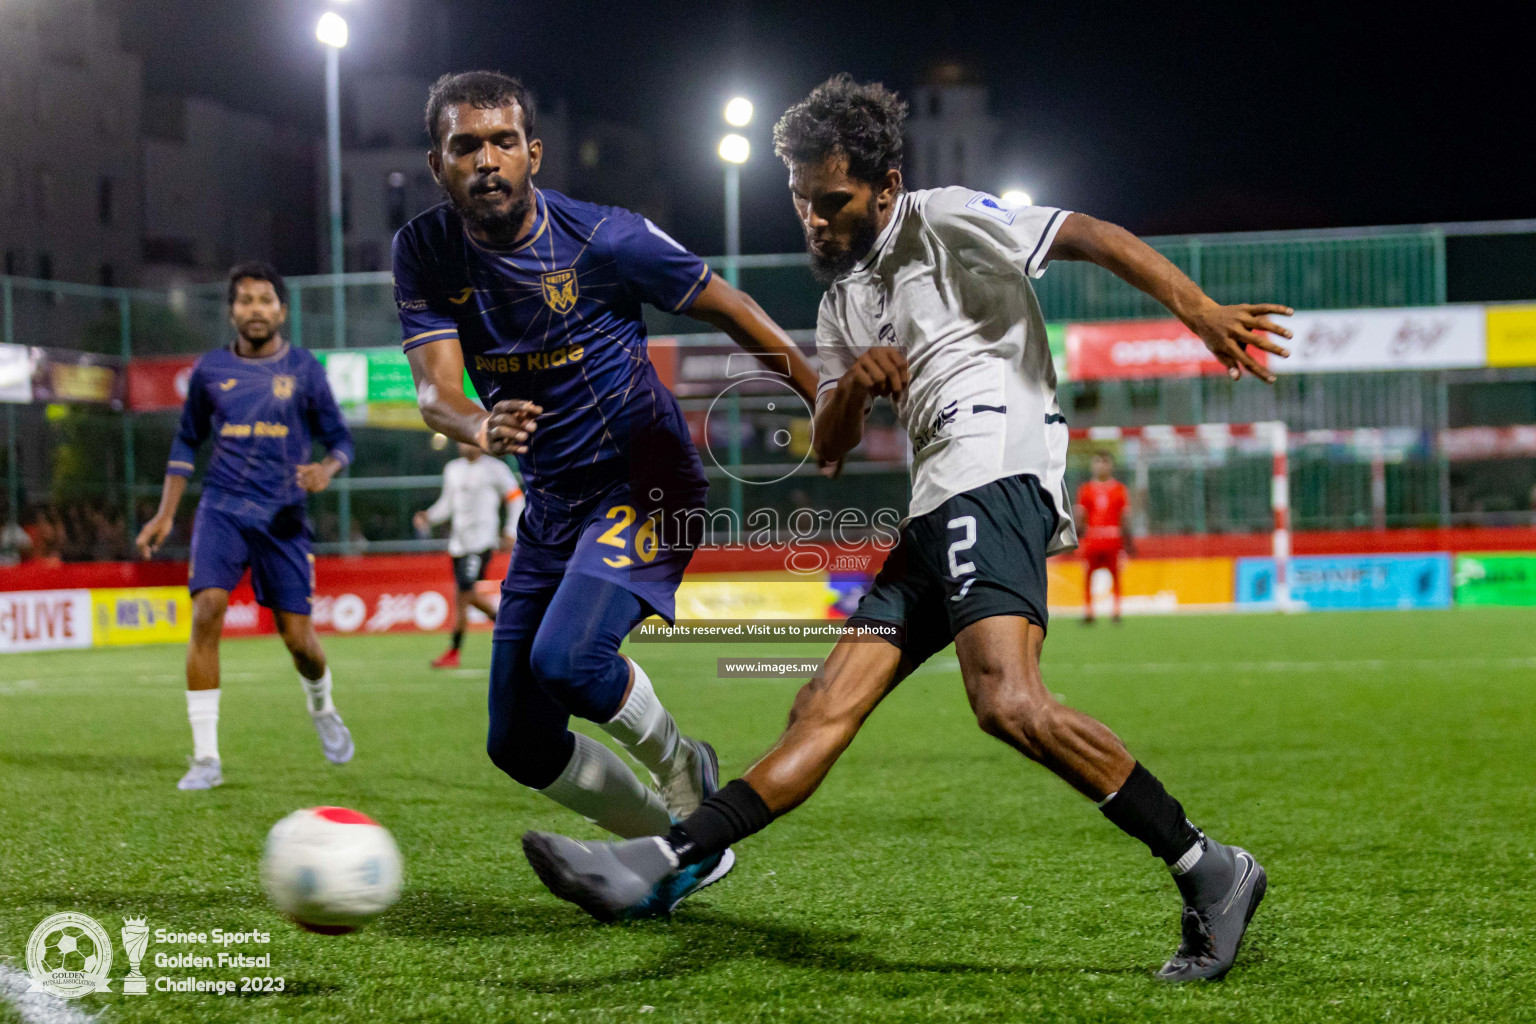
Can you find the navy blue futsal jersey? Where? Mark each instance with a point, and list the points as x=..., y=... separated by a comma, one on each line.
x=556, y=320
x=264, y=415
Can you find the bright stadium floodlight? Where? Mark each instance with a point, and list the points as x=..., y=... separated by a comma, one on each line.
x=1017, y=197
x=738, y=112
x=734, y=149
x=332, y=30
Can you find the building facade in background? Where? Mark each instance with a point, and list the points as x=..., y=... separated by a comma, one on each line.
x=222, y=186
x=70, y=99
x=952, y=138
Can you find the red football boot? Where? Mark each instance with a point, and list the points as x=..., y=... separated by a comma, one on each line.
x=449, y=659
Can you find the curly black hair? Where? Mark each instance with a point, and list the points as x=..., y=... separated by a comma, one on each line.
x=255, y=270
x=483, y=90
x=860, y=121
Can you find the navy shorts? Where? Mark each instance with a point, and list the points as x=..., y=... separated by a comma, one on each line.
x=624, y=533
x=980, y=554
x=277, y=551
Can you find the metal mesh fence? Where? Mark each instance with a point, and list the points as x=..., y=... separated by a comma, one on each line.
x=110, y=464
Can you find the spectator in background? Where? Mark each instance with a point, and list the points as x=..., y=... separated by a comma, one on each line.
x=46, y=532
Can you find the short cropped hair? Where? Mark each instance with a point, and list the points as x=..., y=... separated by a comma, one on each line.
x=483, y=90
x=862, y=122
x=255, y=270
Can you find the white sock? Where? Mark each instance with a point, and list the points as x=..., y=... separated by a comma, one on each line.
x=318, y=692
x=1190, y=859
x=601, y=788
x=203, y=713
x=645, y=728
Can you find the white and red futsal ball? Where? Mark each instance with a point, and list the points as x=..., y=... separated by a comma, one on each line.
x=331, y=869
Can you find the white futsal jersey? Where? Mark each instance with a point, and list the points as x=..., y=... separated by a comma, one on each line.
x=947, y=283
x=473, y=493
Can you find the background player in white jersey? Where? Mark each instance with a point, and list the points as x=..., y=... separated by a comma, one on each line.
x=929, y=304
x=474, y=490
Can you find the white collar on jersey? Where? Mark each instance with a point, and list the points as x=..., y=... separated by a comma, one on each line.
x=884, y=238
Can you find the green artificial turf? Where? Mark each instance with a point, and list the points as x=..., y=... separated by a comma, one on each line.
x=1380, y=765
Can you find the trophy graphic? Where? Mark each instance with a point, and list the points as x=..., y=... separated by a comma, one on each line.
x=135, y=937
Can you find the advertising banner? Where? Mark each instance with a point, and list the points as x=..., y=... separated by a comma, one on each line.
x=1496, y=579
x=62, y=376
x=44, y=620
x=1056, y=338
x=1138, y=348
x=16, y=367
x=374, y=387
x=1511, y=335
x=767, y=596
x=142, y=615
x=161, y=383
x=1148, y=585
x=1352, y=581
x=1414, y=338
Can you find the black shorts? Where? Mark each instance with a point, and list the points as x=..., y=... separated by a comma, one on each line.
x=981, y=553
x=470, y=569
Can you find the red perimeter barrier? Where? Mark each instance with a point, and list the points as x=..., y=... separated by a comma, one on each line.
x=1342, y=542
x=380, y=593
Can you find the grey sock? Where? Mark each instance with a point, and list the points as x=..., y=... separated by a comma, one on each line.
x=1210, y=880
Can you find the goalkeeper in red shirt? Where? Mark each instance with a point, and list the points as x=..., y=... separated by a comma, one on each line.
x=1103, y=505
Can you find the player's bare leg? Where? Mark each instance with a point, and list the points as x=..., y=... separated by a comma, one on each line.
x=208, y=608
x=298, y=633
x=1114, y=582
x=1088, y=570
x=1221, y=885
x=826, y=715
x=463, y=601
x=1000, y=662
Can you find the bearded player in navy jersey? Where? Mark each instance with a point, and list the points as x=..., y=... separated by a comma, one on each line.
x=538, y=296
x=265, y=403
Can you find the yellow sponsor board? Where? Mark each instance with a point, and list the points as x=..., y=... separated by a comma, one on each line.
x=142, y=615
x=1512, y=335
x=1146, y=584
x=758, y=596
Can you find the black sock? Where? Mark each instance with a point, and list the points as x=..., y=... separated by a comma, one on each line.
x=732, y=814
x=1143, y=810
x=458, y=639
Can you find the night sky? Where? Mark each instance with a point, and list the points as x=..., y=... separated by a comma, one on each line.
x=1164, y=117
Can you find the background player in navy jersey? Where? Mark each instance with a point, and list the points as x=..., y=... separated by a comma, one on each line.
x=265, y=402
x=539, y=297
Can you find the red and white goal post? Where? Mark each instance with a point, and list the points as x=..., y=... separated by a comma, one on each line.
x=1141, y=442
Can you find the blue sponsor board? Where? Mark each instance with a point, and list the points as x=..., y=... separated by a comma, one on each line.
x=1352, y=581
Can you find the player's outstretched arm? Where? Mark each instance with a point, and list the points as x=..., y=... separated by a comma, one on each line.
x=1228, y=331
x=737, y=314
x=438, y=369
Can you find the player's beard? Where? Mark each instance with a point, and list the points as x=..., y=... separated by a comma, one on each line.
x=259, y=336
x=828, y=267
x=498, y=225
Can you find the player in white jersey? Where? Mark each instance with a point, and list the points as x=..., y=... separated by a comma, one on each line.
x=474, y=489
x=929, y=304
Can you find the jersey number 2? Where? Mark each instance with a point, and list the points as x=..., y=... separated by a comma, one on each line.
x=967, y=540
x=645, y=537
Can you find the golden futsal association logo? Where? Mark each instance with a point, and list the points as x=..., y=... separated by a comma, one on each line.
x=282, y=386
x=69, y=955
x=560, y=290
